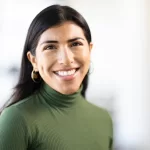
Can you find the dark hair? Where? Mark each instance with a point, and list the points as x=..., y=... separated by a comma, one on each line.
x=47, y=18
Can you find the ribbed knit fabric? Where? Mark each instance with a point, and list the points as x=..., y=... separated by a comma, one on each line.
x=48, y=120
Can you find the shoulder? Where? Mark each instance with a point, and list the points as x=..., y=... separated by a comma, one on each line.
x=100, y=112
x=102, y=115
x=11, y=115
x=12, y=120
x=98, y=109
x=24, y=102
x=27, y=106
x=17, y=112
x=14, y=127
x=105, y=115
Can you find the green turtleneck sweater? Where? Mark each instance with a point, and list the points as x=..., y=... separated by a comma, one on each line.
x=48, y=120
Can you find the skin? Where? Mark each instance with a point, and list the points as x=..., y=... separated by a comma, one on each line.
x=62, y=48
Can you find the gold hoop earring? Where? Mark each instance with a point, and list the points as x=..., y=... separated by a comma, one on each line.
x=35, y=76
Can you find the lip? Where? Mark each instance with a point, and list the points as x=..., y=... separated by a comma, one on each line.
x=68, y=77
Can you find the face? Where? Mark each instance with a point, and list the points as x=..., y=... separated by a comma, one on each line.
x=62, y=57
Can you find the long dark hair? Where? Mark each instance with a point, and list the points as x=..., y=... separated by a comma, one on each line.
x=47, y=18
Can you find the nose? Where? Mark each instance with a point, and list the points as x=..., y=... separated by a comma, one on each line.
x=65, y=56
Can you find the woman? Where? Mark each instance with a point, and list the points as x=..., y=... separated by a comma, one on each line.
x=48, y=110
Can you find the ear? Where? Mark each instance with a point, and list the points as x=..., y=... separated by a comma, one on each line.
x=91, y=46
x=33, y=60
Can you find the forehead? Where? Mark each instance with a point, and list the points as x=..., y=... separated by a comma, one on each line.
x=65, y=31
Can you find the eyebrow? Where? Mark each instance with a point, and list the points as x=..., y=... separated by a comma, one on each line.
x=70, y=40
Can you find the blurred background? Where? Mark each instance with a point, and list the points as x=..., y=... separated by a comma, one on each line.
x=120, y=80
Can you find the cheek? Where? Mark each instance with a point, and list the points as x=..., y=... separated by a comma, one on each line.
x=84, y=61
x=45, y=61
x=84, y=57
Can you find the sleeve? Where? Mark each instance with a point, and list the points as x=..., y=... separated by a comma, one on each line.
x=13, y=130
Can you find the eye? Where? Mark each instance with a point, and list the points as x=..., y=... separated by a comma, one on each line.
x=76, y=44
x=50, y=47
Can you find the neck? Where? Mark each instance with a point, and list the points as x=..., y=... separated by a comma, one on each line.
x=56, y=99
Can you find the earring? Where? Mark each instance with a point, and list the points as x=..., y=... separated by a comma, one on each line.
x=91, y=68
x=35, y=76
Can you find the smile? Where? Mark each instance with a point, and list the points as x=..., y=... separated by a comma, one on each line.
x=64, y=73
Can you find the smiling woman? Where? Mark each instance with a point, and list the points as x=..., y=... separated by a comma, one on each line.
x=62, y=57
x=48, y=109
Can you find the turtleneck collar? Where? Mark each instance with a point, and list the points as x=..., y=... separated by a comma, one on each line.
x=56, y=99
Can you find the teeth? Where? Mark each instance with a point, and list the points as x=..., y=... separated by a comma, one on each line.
x=66, y=73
